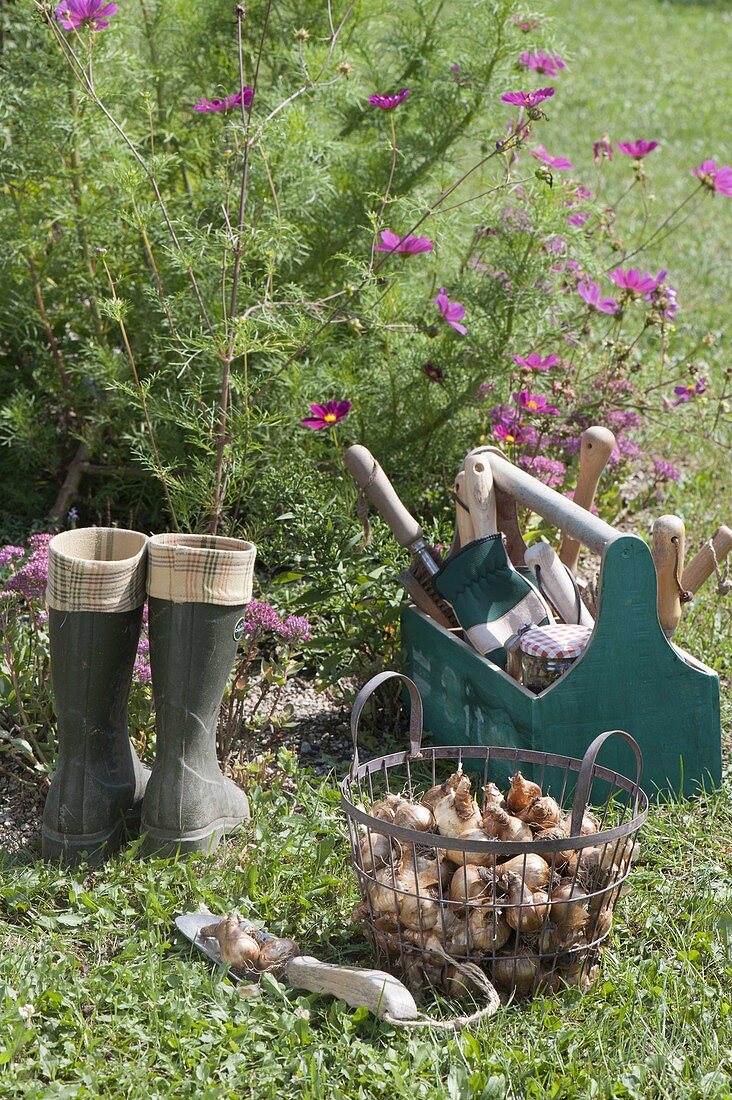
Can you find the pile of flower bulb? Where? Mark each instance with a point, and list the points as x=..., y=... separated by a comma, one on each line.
x=533, y=922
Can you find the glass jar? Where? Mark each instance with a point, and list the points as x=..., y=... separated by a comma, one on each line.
x=548, y=651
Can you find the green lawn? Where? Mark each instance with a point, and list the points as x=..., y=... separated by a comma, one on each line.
x=97, y=996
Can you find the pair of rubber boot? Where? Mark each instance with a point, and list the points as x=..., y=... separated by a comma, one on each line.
x=197, y=588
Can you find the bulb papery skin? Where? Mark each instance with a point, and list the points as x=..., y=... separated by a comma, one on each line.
x=455, y=810
x=482, y=859
x=519, y=973
x=504, y=826
x=543, y=813
x=569, y=908
x=472, y=882
x=374, y=851
x=415, y=816
x=531, y=868
x=521, y=793
x=236, y=946
x=526, y=911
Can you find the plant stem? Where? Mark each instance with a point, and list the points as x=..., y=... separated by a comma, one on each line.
x=143, y=401
x=228, y=355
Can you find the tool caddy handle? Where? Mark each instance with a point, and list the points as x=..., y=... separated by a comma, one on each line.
x=556, y=509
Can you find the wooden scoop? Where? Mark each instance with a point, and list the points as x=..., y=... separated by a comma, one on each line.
x=379, y=992
x=596, y=446
x=558, y=584
x=701, y=567
x=669, y=535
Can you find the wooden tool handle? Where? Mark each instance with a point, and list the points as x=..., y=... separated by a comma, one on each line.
x=668, y=557
x=557, y=584
x=463, y=519
x=380, y=992
x=590, y=530
x=596, y=446
x=480, y=496
x=372, y=480
x=701, y=567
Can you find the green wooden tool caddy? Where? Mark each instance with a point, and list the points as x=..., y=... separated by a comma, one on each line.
x=630, y=677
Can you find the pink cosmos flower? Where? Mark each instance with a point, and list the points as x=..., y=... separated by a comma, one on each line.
x=389, y=102
x=602, y=149
x=391, y=242
x=453, y=312
x=528, y=99
x=245, y=96
x=534, y=403
x=535, y=361
x=637, y=149
x=635, y=281
x=717, y=179
x=592, y=294
x=325, y=416
x=560, y=163
x=508, y=433
x=687, y=392
x=73, y=14
x=541, y=62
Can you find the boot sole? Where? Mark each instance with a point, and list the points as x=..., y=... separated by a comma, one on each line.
x=73, y=848
x=166, y=843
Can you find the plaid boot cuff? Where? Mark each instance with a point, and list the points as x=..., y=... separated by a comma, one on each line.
x=200, y=569
x=97, y=569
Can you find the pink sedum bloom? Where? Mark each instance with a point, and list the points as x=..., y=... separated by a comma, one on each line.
x=535, y=361
x=635, y=281
x=716, y=178
x=637, y=149
x=528, y=99
x=389, y=102
x=391, y=242
x=545, y=64
x=453, y=312
x=245, y=97
x=94, y=14
x=327, y=415
x=534, y=403
x=592, y=294
x=562, y=164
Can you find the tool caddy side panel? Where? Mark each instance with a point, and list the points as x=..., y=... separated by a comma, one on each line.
x=630, y=677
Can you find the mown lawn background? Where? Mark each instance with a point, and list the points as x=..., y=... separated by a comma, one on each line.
x=99, y=998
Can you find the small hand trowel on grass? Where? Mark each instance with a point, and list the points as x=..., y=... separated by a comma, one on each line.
x=379, y=992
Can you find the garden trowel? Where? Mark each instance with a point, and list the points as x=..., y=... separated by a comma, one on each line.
x=491, y=599
x=379, y=992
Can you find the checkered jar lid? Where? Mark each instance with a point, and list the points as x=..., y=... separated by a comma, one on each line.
x=566, y=640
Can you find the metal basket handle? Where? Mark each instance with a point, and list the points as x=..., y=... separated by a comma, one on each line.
x=415, y=717
x=586, y=775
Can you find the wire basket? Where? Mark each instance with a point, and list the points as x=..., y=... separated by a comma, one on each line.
x=531, y=914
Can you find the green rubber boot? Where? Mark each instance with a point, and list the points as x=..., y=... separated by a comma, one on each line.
x=95, y=598
x=198, y=589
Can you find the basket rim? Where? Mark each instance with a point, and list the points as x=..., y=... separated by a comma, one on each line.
x=498, y=847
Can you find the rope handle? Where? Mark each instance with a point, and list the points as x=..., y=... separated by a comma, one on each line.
x=416, y=717
x=587, y=772
x=475, y=975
